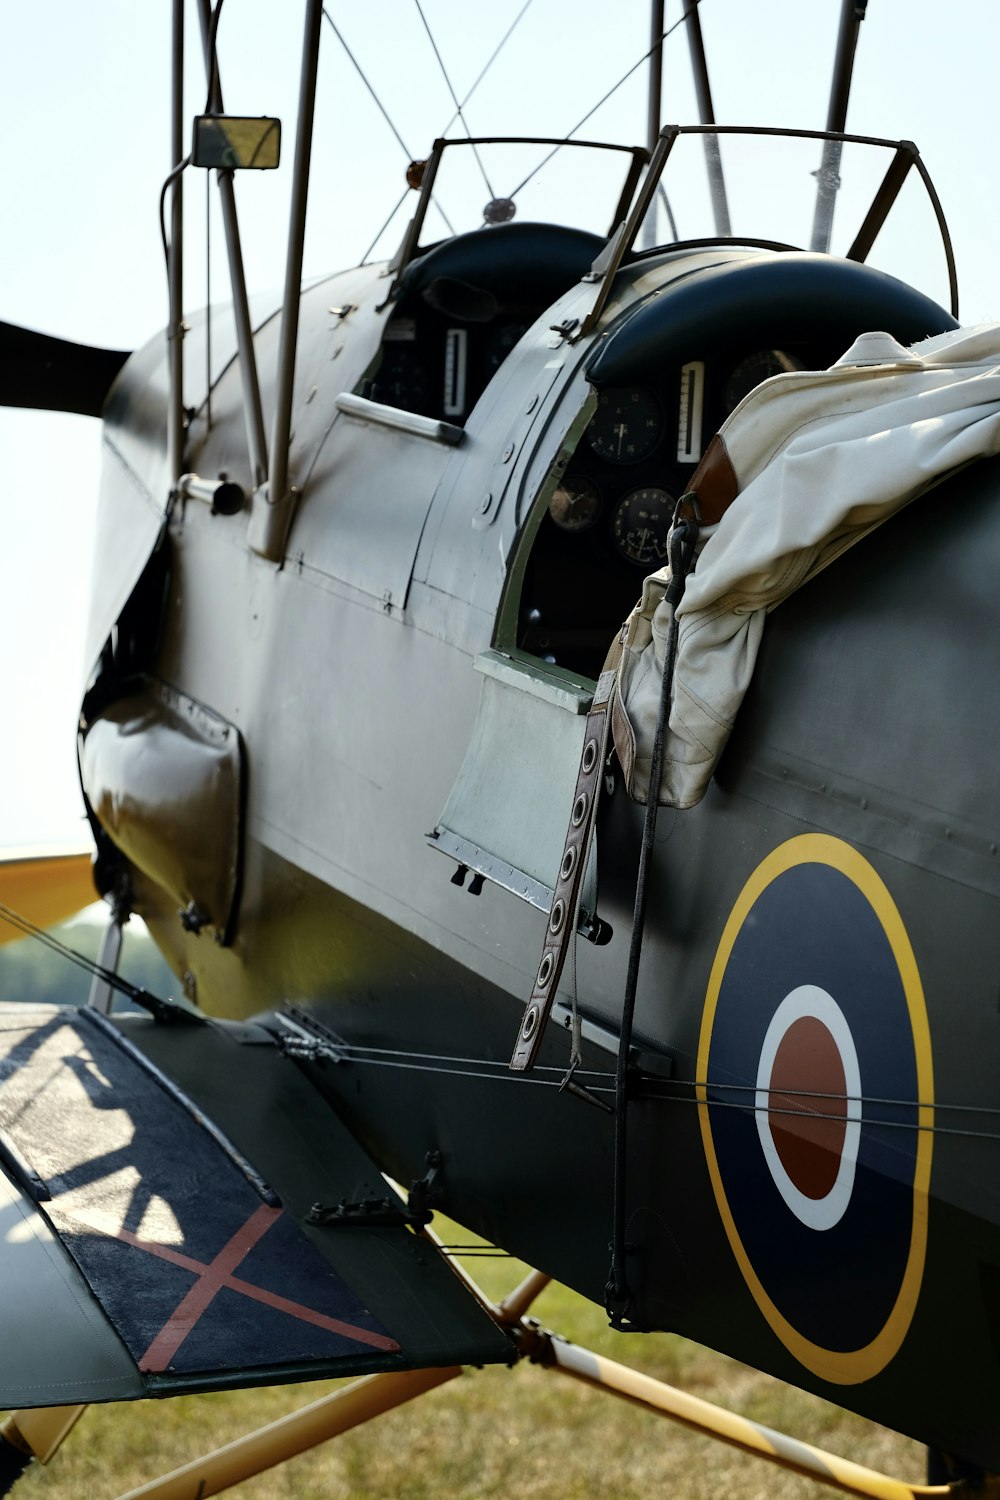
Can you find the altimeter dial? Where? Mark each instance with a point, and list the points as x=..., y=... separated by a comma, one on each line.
x=641, y=526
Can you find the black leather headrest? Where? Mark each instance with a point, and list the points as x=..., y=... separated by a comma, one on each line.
x=772, y=300
x=512, y=261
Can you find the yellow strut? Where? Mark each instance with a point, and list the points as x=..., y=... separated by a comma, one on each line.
x=375, y=1394
x=557, y=1355
x=288, y=1436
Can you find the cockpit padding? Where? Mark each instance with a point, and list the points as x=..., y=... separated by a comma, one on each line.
x=515, y=262
x=460, y=300
x=770, y=301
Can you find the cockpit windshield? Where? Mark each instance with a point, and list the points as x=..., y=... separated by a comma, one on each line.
x=856, y=197
x=467, y=185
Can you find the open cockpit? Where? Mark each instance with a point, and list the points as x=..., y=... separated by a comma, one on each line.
x=462, y=306
x=707, y=320
x=668, y=374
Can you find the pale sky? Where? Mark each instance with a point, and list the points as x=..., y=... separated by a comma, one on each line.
x=85, y=94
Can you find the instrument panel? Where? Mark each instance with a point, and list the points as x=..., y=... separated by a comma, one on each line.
x=440, y=368
x=609, y=517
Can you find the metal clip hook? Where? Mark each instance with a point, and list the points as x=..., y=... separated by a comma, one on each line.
x=569, y=1087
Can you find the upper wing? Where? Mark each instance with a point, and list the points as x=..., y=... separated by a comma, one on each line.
x=45, y=886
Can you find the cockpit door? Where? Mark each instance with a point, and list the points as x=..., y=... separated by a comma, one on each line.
x=506, y=816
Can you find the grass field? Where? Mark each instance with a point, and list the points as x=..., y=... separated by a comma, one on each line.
x=490, y=1433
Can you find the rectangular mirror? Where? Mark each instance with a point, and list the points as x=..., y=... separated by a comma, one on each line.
x=231, y=141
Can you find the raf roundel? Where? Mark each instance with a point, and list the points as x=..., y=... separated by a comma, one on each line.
x=808, y=1106
x=815, y=1090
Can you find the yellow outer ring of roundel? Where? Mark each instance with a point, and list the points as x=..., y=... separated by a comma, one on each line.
x=838, y=1366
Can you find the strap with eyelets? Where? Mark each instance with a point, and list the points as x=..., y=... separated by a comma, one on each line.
x=562, y=913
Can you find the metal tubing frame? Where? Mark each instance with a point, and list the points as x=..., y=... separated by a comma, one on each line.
x=272, y=511
x=653, y=104
x=906, y=156
x=373, y=1395
x=607, y=264
x=852, y=13
x=706, y=112
x=411, y=238
x=175, y=262
x=252, y=411
x=888, y=192
x=705, y=1417
x=293, y=1434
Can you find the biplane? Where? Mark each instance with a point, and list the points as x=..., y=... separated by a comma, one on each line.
x=539, y=698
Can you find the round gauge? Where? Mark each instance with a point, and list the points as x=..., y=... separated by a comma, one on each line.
x=641, y=526
x=627, y=425
x=760, y=365
x=575, y=504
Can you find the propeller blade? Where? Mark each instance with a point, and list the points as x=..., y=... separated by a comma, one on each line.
x=50, y=374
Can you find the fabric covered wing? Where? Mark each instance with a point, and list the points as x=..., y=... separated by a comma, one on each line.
x=143, y=1254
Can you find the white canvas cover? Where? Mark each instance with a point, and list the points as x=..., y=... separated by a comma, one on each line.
x=821, y=458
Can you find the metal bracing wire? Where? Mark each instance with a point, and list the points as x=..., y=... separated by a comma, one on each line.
x=386, y=117
x=488, y=1068
x=603, y=100
x=489, y=63
x=458, y=113
x=367, y=83
x=454, y=96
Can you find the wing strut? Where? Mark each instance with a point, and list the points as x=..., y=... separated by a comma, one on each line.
x=374, y=1394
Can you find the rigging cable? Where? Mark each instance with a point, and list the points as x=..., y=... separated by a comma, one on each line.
x=489, y=63
x=422, y=1062
x=457, y=115
x=454, y=97
x=393, y=212
x=213, y=53
x=364, y=79
x=623, y=79
x=472, y=1067
x=385, y=115
x=159, y=1007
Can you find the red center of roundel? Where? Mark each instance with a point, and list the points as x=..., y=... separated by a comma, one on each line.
x=808, y=1132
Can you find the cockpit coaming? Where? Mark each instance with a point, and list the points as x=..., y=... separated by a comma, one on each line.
x=669, y=371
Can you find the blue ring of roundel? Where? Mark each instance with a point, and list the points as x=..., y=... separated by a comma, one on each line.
x=813, y=925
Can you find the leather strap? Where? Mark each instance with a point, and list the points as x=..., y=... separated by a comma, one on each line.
x=565, y=897
x=713, y=488
x=715, y=484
